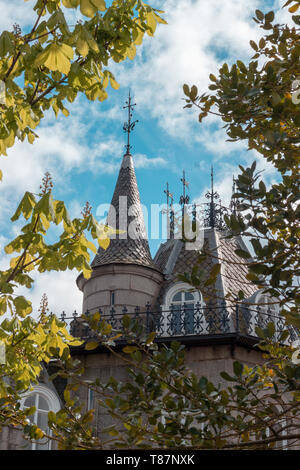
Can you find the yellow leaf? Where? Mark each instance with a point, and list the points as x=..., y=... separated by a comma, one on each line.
x=159, y=19
x=151, y=22
x=114, y=84
x=56, y=57
x=294, y=8
x=100, y=4
x=82, y=47
x=104, y=242
x=67, y=51
x=92, y=247
x=87, y=8
x=86, y=272
x=39, y=434
x=139, y=39
x=30, y=137
x=93, y=45
x=71, y=3
x=131, y=51
x=1, y=175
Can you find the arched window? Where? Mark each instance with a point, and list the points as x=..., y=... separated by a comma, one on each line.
x=182, y=311
x=44, y=400
x=261, y=309
x=267, y=304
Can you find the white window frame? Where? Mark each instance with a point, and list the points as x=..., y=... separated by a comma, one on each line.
x=169, y=295
x=52, y=400
x=260, y=305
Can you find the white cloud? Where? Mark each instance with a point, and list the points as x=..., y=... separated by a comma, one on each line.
x=60, y=288
x=198, y=38
x=142, y=161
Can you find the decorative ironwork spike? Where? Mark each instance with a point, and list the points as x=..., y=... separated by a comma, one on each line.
x=169, y=210
x=63, y=316
x=169, y=196
x=194, y=212
x=129, y=126
x=184, y=199
x=172, y=223
x=215, y=211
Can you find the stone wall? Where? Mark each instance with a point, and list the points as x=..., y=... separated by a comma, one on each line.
x=133, y=286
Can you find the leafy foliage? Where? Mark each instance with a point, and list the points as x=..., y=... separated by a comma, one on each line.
x=259, y=105
x=57, y=61
x=165, y=405
x=29, y=342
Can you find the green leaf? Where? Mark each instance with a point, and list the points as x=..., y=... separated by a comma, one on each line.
x=269, y=17
x=56, y=57
x=25, y=207
x=90, y=7
x=150, y=338
x=227, y=377
x=129, y=349
x=91, y=345
x=253, y=45
x=186, y=90
x=6, y=44
x=259, y=15
x=242, y=253
x=22, y=305
x=238, y=368
x=215, y=270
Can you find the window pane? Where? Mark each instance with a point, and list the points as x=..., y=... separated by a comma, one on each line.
x=188, y=296
x=30, y=401
x=189, y=319
x=42, y=421
x=177, y=297
x=43, y=405
x=176, y=320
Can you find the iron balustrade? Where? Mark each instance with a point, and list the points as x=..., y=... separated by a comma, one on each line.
x=187, y=320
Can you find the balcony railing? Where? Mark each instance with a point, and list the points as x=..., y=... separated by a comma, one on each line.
x=189, y=320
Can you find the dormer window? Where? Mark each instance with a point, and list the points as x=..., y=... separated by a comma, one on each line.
x=182, y=310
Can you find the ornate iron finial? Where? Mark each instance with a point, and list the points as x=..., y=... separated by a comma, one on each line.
x=169, y=211
x=194, y=213
x=184, y=199
x=129, y=126
x=233, y=202
x=169, y=196
x=215, y=211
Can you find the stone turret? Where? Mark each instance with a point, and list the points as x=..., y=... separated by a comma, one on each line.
x=124, y=273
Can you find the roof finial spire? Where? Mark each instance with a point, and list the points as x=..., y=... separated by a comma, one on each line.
x=184, y=199
x=170, y=212
x=213, y=213
x=129, y=126
x=234, y=202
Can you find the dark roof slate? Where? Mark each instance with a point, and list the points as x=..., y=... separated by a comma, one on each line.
x=132, y=246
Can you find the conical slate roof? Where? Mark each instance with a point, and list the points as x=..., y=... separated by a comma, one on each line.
x=130, y=247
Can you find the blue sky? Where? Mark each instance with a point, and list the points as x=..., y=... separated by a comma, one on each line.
x=83, y=152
